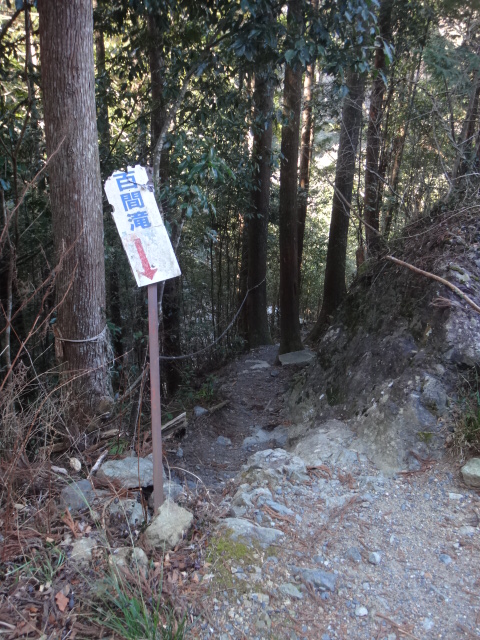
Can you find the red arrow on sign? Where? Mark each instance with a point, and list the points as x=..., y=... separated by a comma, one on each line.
x=148, y=271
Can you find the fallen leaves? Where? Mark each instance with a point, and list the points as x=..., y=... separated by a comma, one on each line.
x=62, y=601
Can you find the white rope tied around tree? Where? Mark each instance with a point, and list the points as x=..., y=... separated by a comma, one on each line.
x=94, y=339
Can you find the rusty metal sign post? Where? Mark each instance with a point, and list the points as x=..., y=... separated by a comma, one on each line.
x=152, y=260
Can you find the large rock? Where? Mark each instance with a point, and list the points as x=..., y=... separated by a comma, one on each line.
x=296, y=357
x=330, y=443
x=129, y=472
x=276, y=464
x=168, y=526
x=471, y=473
x=251, y=533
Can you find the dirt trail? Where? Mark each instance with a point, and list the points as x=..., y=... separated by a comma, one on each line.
x=361, y=555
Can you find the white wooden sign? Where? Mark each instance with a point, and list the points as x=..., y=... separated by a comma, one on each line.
x=141, y=227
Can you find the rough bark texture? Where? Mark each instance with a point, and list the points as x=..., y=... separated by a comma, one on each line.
x=66, y=46
x=258, y=329
x=290, y=339
x=374, y=131
x=334, y=288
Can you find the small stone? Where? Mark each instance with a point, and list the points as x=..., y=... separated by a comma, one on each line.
x=375, y=557
x=455, y=496
x=427, y=624
x=361, y=612
x=445, y=559
x=224, y=442
x=320, y=579
x=279, y=508
x=262, y=598
x=291, y=591
x=467, y=531
x=75, y=464
x=179, y=452
x=471, y=473
x=168, y=525
x=77, y=495
x=241, y=528
x=199, y=411
x=128, y=510
x=82, y=550
x=354, y=554
x=274, y=373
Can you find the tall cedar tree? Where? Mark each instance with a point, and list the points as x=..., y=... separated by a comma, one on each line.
x=68, y=83
x=371, y=209
x=334, y=288
x=257, y=229
x=290, y=339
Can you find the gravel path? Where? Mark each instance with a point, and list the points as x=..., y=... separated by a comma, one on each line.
x=362, y=556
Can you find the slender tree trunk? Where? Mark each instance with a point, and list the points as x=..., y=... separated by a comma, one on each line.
x=290, y=339
x=305, y=153
x=68, y=82
x=103, y=122
x=334, y=289
x=466, y=142
x=374, y=131
x=257, y=230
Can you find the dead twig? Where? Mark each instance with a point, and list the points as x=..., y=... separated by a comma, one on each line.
x=398, y=627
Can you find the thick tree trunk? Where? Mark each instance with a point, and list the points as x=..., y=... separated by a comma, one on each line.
x=290, y=339
x=257, y=230
x=334, y=289
x=374, y=132
x=68, y=82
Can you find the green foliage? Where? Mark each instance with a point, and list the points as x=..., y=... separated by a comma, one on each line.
x=125, y=610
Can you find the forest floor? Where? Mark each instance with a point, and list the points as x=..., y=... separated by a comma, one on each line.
x=359, y=554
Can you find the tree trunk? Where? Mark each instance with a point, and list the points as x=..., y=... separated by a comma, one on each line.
x=334, y=288
x=305, y=153
x=103, y=122
x=374, y=132
x=257, y=229
x=466, y=143
x=68, y=82
x=290, y=339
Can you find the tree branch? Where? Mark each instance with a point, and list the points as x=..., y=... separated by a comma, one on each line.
x=427, y=274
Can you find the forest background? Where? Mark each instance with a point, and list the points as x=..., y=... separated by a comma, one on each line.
x=289, y=143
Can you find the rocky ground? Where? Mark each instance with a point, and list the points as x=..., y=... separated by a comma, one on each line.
x=336, y=548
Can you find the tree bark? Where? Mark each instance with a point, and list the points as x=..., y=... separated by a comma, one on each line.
x=257, y=229
x=334, y=288
x=374, y=131
x=290, y=339
x=68, y=83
